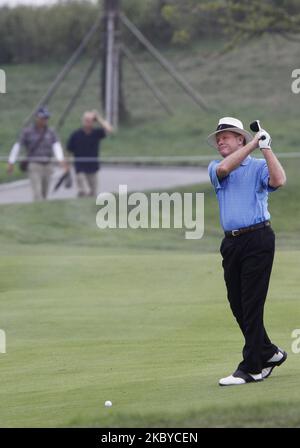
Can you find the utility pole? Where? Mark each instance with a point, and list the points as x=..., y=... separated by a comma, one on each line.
x=111, y=91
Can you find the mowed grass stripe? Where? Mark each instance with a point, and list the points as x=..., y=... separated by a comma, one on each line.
x=151, y=332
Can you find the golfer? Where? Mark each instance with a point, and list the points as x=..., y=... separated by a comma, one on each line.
x=242, y=184
x=84, y=144
x=41, y=143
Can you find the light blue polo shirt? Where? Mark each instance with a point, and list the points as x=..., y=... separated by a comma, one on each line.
x=243, y=194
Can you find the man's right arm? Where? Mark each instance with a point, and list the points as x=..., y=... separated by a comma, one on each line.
x=15, y=150
x=234, y=160
x=70, y=143
x=13, y=155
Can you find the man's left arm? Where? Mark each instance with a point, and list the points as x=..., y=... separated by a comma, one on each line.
x=276, y=171
x=103, y=123
x=277, y=176
x=58, y=151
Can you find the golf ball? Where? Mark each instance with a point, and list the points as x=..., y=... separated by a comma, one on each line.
x=108, y=404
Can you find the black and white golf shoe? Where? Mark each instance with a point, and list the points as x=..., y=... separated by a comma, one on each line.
x=239, y=377
x=276, y=360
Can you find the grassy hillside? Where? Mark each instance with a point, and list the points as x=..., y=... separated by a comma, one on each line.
x=250, y=82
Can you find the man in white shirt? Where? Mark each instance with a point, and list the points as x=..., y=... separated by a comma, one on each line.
x=40, y=143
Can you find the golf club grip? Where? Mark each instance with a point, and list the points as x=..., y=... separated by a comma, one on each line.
x=255, y=127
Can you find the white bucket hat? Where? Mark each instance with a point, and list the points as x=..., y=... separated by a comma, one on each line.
x=229, y=124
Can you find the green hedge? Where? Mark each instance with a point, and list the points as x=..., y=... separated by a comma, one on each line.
x=30, y=34
x=34, y=34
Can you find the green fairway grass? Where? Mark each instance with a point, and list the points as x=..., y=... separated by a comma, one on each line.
x=136, y=317
x=152, y=332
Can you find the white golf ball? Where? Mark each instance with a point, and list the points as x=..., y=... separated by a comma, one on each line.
x=108, y=404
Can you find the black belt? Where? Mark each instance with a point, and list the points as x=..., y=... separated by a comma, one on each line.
x=39, y=162
x=238, y=232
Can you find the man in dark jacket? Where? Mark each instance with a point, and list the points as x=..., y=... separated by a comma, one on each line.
x=84, y=144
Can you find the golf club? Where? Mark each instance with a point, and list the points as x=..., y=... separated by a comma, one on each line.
x=256, y=127
x=65, y=179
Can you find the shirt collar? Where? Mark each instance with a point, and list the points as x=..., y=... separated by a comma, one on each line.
x=246, y=160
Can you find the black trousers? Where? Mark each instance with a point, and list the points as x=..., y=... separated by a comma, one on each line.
x=247, y=263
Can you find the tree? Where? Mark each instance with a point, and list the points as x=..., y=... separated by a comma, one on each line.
x=239, y=20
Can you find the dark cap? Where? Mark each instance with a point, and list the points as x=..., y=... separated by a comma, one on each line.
x=43, y=112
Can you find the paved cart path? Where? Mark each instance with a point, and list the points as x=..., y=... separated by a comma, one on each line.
x=137, y=178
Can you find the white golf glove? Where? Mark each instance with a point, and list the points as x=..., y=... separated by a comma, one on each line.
x=266, y=142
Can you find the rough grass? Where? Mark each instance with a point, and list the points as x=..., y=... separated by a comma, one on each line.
x=73, y=223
